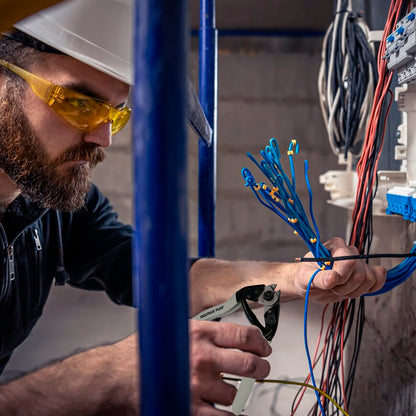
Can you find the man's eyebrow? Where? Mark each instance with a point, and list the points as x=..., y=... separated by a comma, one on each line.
x=87, y=90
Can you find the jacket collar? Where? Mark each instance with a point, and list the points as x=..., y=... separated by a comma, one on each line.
x=21, y=213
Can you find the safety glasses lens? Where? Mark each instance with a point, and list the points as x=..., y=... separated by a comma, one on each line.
x=119, y=119
x=86, y=113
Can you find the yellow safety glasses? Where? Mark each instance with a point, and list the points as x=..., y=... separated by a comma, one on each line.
x=79, y=110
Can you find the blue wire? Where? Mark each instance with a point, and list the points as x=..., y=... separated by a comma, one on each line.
x=305, y=338
x=292, y=167
x=319, y=246
x=271, y=167
x=398, y=274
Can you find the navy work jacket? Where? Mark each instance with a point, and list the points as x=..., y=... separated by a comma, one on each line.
x=89, y=249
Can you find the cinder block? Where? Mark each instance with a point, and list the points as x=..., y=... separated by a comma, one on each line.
x=249, y=219
x=243, y=124
x=268, y=75
x=115, y=173
x=122, y=204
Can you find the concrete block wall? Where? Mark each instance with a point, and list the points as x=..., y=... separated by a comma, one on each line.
x=385, y=379
x=267, y=88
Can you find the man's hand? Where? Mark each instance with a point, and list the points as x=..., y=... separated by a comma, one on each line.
x=347, y=279
x=213, y=281
x=214, y=350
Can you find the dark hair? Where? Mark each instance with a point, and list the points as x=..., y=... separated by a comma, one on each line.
x=30, y=41
x=17, y=50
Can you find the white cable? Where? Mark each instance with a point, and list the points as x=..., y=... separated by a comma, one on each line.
x=329, y=98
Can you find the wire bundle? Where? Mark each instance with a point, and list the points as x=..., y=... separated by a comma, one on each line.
x=346, y=80
x=374, y=139
x=281, y=197
x=398, y=274
x=362, y=227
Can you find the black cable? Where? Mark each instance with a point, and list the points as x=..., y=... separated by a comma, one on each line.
x=365, y=223
x=356, y=257
x=351, y=88
x=357, y=344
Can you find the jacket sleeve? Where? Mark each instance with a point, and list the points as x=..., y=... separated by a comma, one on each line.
x=97, y=249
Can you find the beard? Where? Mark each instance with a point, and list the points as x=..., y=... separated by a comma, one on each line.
x=25, y=160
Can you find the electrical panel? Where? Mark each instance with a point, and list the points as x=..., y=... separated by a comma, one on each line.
x=397, y=190
x=400, y=54
x=401, y=49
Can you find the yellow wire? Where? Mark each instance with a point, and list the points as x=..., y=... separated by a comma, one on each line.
x=296, y=384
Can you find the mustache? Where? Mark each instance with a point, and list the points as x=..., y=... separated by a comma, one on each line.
x=90, y=152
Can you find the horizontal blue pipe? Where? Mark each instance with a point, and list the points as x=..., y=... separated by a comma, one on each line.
x=160, y=246
x=266, y=33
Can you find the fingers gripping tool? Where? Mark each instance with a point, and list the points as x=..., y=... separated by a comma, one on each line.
x=263, y=295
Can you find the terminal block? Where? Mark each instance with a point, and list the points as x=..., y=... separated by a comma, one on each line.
x=402, y=201
x=401, y=49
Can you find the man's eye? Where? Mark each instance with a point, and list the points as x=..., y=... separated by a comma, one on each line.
x=80, y=103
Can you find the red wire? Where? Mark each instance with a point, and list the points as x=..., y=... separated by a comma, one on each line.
x=366, y=176
x=344, y=395
x=314, y=361
x=366, y=180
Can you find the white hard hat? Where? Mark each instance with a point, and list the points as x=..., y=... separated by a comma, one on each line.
x=96, y=32
x=100, y=34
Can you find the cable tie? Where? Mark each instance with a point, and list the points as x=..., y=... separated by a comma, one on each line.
x=356, y=257
x=313, y=240
x=291, y=201
x=290, y=152
x=293, y=220
x=256, y=187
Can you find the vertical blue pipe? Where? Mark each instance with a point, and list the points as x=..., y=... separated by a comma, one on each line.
x=160, y=249
x=207, y=155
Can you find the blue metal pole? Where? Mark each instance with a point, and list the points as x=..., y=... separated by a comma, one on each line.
x=160, y=249
x=208, y=53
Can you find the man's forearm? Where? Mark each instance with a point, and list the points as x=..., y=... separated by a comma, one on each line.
x=102, y=381
x=213, y=281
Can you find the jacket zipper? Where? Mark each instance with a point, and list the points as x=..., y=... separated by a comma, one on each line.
x=38, y=289
x=5, y=282
x=37, y=239
x=10, y=259
x=10, y=273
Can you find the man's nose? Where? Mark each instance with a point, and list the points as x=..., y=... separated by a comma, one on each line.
x=101, y=136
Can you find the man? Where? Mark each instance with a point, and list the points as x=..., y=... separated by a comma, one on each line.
x=56, y=226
